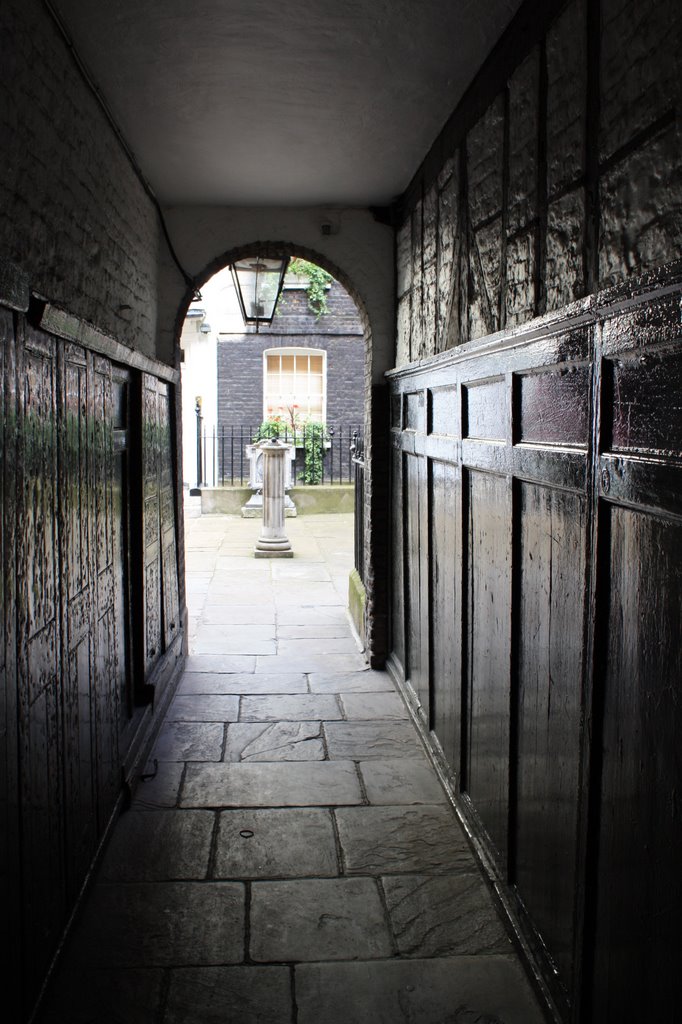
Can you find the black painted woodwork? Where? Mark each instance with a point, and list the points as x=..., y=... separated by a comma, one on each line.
x=74, y=616
x=542, y=532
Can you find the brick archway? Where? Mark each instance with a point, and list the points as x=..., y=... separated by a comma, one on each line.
x=376, y=516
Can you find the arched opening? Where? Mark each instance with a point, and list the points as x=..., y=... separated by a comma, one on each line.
x=302, y=378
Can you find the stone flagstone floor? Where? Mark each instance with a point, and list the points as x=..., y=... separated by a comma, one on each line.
x=294, y=860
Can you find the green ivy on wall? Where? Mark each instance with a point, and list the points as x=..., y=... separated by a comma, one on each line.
x=318, y=281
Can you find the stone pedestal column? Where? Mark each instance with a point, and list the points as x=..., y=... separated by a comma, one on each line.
x=273, y=542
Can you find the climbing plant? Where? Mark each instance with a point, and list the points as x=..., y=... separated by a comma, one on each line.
x=318, y=281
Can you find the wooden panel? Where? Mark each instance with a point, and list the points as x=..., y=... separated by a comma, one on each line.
x=416, y=654
x=38, y=646
x=551, y=592
x=171, y=609
x=397, y=561
x=76, y=521
x=489, y=622
x=646, y=392
x=485, y=413
x=445, y=582
x=639, y=884
x=554, y=406
x=10, y=920
x=107, y=632
x=152, y=522
x=443, y=411
x=413, y=417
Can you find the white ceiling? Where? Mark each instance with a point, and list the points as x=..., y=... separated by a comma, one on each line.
x=252, y=102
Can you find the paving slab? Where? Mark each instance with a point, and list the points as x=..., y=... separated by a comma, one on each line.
x=159, y=924
x=364, y=740
x=288, y=592
x=275, y=741
x=287, y=784
x=240, y=683
x=298, y=570
x=275, y=843
x=378, y=840
x=318, y=919
x=308, y=613
x=363, y=681
x=204, y=707
x=163, y=845
x=310, y=663
x=104, y=996
x=220, y=995
x=236, y=615
x=321, y=645
x=158, y=786
x=230, y=594
x=401, y=781
x=289, y=708
x=235, y=646
x=310, y=631
x=443, y=915
x=451, y=990
x=388, y=707
x=189, y=741
x=220, y=663
x=231, y=631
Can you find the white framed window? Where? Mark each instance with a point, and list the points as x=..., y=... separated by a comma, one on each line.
x=295, y=382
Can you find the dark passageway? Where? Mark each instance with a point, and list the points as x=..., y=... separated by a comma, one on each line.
x=293, y=851
x=498, y=187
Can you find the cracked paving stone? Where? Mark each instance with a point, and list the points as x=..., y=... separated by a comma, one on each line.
x=189, y=741
x=276, y=741
x=206, y=707
x=450, y=990
x=275, y=844
x=318, y=919
x=242, y=663
x=284, y=784
x=161, y=787
x=366, y=706
x=150, y=846
x=361, y=741
x=369, y=681
x=160, y=924
x=241, y=683
x=402, y=840
x=401, y=781
x=218, y=995
x=290, y=707
x=441, y=915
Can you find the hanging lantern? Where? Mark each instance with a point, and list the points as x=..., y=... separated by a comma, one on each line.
x=258, y=281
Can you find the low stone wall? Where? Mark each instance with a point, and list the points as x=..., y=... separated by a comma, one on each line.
x=308, y=500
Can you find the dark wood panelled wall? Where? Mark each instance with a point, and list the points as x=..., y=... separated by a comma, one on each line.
x=90, y=614
x=536, y=621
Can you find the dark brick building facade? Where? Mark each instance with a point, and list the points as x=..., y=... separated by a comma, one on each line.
x=338, y=333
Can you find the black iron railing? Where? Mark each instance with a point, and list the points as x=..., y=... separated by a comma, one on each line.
x=224, y=460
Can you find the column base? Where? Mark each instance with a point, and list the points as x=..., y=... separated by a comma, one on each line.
x=273, y=547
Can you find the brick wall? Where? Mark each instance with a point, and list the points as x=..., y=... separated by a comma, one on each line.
x=75, y=217
x=338, y=333
x=558, y=175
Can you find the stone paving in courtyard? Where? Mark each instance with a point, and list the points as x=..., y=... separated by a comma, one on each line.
x=294, y=860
